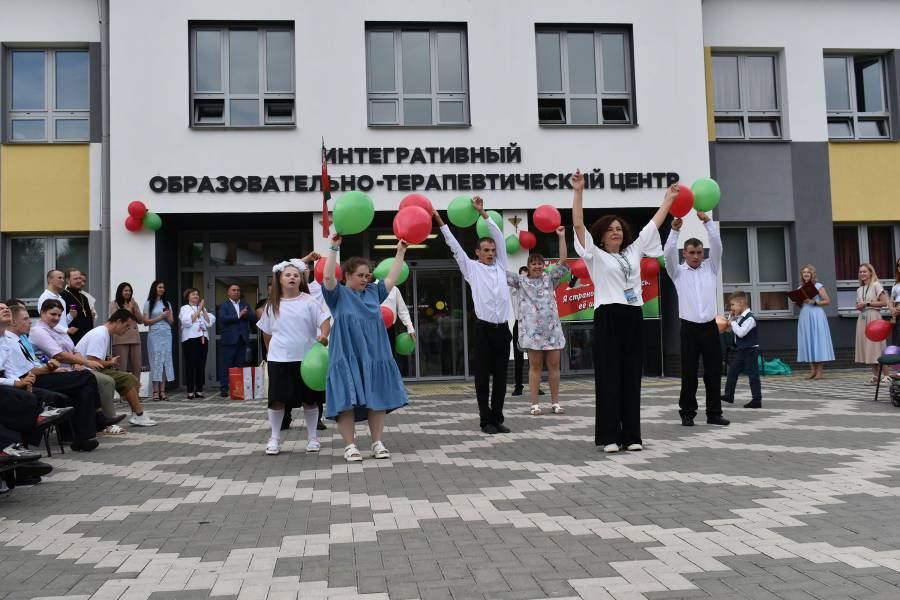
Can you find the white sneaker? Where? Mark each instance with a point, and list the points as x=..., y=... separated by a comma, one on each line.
x=379, y=451
x=141, y=420
x=611, y=448
x=634, y=448
x=273, y=447
x=313, y=446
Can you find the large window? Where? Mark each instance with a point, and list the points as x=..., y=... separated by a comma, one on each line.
x=242, y=76
x=30, y=257
x=756, y=261
x=584, y=77
x=856, y=98
x=878, y=245
x=49, y=96
x=745, y=96
x=417, y=77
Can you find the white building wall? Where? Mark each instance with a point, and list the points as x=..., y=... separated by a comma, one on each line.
x=40, y=21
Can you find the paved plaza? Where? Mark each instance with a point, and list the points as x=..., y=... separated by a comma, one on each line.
x=798, y=500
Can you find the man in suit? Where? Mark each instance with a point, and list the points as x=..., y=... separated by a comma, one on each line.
x=234, y=334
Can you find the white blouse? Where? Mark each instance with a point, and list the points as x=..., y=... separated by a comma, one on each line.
x=609, y=270
x=190, y=328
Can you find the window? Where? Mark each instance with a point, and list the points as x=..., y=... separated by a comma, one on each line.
x=584, y=77
x=30, y=257
x=856, y=98
x=242, y=76
x=878, y=245
x=49, y=96
x=756, y=261
x=745, y=96
x=417, y=77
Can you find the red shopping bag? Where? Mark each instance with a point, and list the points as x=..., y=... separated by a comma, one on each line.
x=236, y=384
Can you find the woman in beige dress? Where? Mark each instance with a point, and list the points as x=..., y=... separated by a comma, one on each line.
x=128, y=345
x=870, y=299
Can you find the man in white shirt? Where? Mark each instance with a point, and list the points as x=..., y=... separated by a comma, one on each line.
x=56, y=283
x=490, y=295
x=695, y=280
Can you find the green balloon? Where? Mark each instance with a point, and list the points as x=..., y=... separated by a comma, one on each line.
x=512, y=244
x=706, y=194
x=384, y=267
x=482, y=227
x=662, y=261
x=152, y=221
x=404, y=344
x=461, y=212
x=353, y=213
x=314, y=368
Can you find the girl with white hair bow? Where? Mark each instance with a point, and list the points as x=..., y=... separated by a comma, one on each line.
x=292, y=321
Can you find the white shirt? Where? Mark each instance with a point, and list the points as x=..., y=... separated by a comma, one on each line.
x=295, y=328
x=15, y=363
x=490, y=294
x=315, y=290
x=94, y=343
x=8, y=378
x=696, y=287
x=606, y=269
x=191, y=329
x=66, y=317
x=237, y=307
x=742, y=330
x=395, y=302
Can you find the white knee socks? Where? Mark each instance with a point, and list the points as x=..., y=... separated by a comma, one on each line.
x=311, y=415
x=275, y=418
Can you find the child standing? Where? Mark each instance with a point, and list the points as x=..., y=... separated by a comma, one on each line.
x=743, y=324
x=292, y=321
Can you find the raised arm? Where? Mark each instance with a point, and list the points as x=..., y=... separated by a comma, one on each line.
x=396, y=267
x=671, y=249
x=330, y=262
x=563, y=249
x=715, y=241
x=577, y=209
x=458, y=253
x=660, y=217
x=403, y=313
x=495, y=232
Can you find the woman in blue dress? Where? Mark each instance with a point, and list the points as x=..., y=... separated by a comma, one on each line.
x=158, y=316
x=363, y=381
x=813, y=336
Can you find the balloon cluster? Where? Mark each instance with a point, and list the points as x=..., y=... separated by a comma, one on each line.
x=140, y=216
x=704, y=196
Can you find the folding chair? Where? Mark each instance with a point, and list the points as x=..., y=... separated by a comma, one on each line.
x=888, y=360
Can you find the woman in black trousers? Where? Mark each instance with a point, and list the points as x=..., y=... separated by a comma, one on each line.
x=615, y=267
x=195, y=323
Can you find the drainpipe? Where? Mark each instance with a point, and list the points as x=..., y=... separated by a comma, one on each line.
x=105, y=252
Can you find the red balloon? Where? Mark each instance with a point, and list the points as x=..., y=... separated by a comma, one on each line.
x=417, y=200
x=133, y=224
x=580, y=270
x=412, y=224
x=137, y=209
x=684, y=201
x=320, y=271
x=649, y=267
x=387, y=315
x=527, y=240
x=546, y=218
x=878, y=331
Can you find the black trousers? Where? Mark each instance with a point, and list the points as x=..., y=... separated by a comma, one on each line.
x=195, y=351
x=230, y=355
x=746, y=360
x=518, y=357
x=700, y=340
x=618, y=364
x=491, y=359
x=19, y=411
x=80, y=391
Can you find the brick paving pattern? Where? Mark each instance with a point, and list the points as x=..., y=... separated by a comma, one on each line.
x=798, y=500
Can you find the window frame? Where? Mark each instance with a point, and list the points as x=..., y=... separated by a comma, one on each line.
x=847, y=285
x=262, y=95
x=50, y=252
x=744, y=115
x=852, y=116
x=567, y=96
x=398, y=96
x=49, y=114
x=755, y=287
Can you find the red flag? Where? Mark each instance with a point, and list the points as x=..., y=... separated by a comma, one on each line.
x=326, y=193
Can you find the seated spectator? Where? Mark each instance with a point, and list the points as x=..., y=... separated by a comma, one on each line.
x=22, y=420
x=93, y=347
x=23, y=370
x=46, y=338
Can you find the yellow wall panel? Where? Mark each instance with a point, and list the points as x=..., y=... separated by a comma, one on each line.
x=44, y=188
x=865, y=181
x=710, y=116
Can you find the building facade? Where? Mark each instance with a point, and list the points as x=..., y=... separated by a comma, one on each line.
x=218, y=112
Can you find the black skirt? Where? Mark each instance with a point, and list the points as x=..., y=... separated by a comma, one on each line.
x=286, y=386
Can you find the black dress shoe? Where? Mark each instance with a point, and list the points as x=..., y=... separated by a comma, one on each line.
x=687, y=421
x=107, y=421
x=320, y=426
x=517, y=391
x=33, y=469
x=753, y=404
x=720, y=420
x=541, y=392
x=490, y=429
x=85, y=445
x=501, y=428
x=223, y=393
x=727, y=399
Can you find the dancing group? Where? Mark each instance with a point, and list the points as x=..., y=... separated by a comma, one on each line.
x=364, y=383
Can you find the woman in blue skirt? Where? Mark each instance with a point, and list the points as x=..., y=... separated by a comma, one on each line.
x=813, y=336
x=363, y=382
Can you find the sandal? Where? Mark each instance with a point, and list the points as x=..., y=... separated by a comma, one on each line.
x=163, y=396
x=557, y=409
x=156, y=397
x=536, y=410
x=113, y=430
x=352, y=454
x=190, y=396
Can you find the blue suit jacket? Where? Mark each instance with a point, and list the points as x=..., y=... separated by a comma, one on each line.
x=232, y=328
